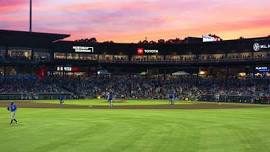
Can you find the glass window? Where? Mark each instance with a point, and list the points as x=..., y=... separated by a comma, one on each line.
x=172, y=57
x=58, y=55
x=155, y=58
x=218, y=56
x=17, y=53
x=139, y=58
x=38, y=55
x=120, y=57
x=88, y=57
x=261, y=54
x=233, y=55
x=211, y=56
x=106, y=57
x=73, y=56
x=245, y=55
x=187, y=57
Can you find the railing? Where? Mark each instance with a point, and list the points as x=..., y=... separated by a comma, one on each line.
x=207, y=98
x=32, y=96
x=236, y=99
x=187, y=61
x=159, y=61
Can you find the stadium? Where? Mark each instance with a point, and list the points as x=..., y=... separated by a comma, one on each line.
x=193, y=94
x=45, y=67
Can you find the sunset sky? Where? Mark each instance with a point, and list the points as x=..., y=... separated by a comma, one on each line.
x=133, y=20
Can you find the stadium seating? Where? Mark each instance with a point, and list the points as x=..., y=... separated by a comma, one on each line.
x=251, y=90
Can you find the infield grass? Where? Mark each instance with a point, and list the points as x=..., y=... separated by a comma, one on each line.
x=74, y=130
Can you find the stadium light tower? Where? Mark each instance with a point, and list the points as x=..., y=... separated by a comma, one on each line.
x=30, y=17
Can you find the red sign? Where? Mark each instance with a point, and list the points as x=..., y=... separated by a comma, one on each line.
x=41, y=72
x=140, y=51
x=75, y=69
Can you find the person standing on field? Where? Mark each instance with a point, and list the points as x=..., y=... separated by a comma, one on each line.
x=61, y=99
x=171, y=98
x=110, y=98
x=12, y=108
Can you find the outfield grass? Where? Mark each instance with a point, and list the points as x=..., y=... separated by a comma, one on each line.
x=74, y=130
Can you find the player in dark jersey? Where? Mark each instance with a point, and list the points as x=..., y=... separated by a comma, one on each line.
x=171, y=98
x=12, y=108
x=61, y=99
x=110, y=98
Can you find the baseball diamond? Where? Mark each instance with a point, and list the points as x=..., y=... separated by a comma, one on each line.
x=134, y=76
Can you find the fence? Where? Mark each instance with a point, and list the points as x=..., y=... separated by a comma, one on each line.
x=236, y=99
x=29, y=96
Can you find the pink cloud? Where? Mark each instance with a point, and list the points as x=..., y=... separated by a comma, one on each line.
x=5, y=3
x=11, y=5
x=132, y=20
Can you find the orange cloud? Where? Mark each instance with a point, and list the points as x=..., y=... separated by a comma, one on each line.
x=133, y=20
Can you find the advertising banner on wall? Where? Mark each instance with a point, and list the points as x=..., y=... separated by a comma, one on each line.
x=83, y=49
x=259, y=46
x=208, y=38
x=142, y=51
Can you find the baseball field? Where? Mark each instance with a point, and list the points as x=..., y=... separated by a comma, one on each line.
x=135, y=126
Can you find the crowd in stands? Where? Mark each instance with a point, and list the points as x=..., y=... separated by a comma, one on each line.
x=141, y=87
x=28, y=86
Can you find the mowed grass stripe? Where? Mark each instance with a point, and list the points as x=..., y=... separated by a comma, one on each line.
x=70, y=130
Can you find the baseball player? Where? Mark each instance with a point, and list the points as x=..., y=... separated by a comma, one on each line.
x=12, y=108
x=171, y=98
x=61, y=99
x=110, y=98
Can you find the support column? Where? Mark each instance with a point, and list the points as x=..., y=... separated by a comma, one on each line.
x=30, y=17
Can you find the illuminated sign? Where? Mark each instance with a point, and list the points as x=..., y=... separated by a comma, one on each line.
x=141, y=51
x=64, y=68
x=263, y=69
x=68, y=69
x=151, y=51
x=83, y=49
x=258, y=47
x=207, y=38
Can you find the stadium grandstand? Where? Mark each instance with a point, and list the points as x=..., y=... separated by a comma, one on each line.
x=45, y=66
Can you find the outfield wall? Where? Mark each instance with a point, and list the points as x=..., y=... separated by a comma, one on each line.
x=206, y=98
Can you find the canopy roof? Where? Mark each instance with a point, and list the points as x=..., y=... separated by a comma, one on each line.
x=28, y=39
